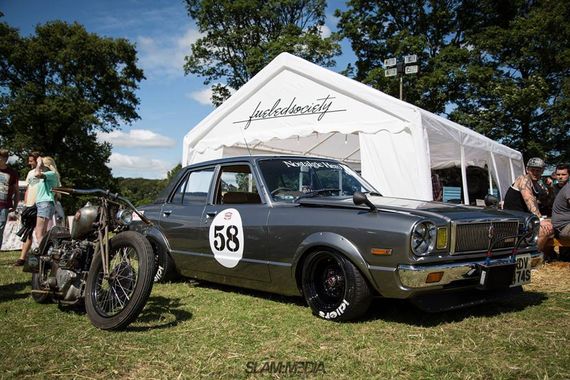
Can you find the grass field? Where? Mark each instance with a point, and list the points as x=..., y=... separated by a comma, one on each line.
x=190, y=330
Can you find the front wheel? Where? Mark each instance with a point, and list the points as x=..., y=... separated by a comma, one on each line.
x=333, y=287
x=113, y=303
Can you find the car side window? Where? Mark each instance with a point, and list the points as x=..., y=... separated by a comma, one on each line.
x=194, y=188
x=236, y=185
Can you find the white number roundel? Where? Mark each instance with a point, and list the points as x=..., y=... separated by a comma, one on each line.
x=226, y=237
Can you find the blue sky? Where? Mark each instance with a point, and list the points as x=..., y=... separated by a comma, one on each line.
x=170, y=102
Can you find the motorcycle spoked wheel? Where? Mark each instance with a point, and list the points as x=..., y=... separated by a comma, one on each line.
x=113, y=303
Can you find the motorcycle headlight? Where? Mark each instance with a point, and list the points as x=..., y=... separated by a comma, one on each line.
x=423, y=238
x=125, y=217
x=532, y=227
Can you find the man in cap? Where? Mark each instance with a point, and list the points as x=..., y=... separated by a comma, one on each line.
x=523, y=195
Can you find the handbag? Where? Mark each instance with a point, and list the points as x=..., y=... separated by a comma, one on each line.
x=28, y=220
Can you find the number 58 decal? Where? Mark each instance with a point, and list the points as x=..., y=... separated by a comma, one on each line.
x=226, y=237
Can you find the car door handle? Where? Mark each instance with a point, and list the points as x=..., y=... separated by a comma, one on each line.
x=167, y=212
x=211, y=214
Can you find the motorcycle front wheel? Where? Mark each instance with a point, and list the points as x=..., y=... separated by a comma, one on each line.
x=113, y=303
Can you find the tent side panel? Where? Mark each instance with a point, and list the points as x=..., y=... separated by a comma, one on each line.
x=390, y=164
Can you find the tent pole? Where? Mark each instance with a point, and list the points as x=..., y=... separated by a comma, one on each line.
x=464, y=177
x=497, y=175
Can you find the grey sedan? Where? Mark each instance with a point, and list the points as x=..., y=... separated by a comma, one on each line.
x=313, y=227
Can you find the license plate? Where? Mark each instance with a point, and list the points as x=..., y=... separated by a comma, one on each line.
x=522, y=270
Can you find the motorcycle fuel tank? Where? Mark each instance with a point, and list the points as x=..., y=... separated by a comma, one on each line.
x=83, y=221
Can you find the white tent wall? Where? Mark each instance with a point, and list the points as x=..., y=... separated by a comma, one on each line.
x=295, y=107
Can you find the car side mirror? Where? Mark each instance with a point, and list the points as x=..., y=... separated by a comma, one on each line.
x=360, y=198
x=491, y=200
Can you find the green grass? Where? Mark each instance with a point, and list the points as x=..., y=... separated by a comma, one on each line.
x=190, y=330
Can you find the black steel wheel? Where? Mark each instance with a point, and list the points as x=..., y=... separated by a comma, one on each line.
x=113, y=303
x=333, y=287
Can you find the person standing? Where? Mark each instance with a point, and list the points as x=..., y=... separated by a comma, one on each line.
x=561, y=213
x=46, y=171
x=523, y=196
x=561, y=174
x=9, y=194
x=29, y=201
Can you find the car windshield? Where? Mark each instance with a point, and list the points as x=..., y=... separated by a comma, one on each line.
x=288, y=180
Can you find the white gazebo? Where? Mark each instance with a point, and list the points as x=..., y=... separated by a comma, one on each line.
x=296, y=107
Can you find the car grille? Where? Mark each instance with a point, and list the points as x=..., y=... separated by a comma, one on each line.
x=474, y=236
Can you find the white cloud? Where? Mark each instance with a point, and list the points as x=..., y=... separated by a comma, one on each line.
x=203, y=97
x=135, y=166
x=325, y=31
x=137, y=138
x=164, y=54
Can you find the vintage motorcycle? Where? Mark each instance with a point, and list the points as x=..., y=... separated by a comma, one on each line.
x=98, y=261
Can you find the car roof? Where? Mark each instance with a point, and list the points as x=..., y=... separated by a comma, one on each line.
x=255, y=158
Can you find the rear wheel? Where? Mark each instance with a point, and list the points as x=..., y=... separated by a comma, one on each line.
x=41, y=292
x=113, y=303
x=333, y=287
x=40, y=288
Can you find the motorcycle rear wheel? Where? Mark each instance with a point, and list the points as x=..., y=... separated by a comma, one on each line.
x=41, y=292
x=113, y=303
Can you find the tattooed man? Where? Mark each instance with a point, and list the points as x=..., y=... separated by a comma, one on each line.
x=523, y=196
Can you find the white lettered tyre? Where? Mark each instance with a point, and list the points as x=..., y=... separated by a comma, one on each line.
x=333, y=287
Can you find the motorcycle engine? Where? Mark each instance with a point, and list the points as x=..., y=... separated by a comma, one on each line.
x=69, y=284
x=69, y=257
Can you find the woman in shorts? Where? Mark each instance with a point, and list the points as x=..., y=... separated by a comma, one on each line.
x=46, y=171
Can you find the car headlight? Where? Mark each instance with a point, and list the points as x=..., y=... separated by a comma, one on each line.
x=532, y=227
x=125, y=217
x=423, y=238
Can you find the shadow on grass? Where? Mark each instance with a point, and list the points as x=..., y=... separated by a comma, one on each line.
x=9, y=292
x=160, y=313
x=295, y=300
x=403, y=311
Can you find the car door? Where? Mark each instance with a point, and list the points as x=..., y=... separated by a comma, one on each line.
x=235, y=223
x=181, y=217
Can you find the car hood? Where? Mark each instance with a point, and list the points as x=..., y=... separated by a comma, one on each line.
x=415, y=207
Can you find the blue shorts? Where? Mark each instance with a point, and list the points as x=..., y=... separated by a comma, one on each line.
x=45, y=209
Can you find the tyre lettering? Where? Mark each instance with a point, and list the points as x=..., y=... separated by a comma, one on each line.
x=336, y=313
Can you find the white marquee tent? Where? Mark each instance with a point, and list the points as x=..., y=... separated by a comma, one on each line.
x=296, y=107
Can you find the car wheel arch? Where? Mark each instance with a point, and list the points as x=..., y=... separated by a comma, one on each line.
x=333, y=242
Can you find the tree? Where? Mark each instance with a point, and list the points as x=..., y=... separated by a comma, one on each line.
x=241, y=37
x=58, y=88
x=500, y=68
x=518, y=83
x=434, y=30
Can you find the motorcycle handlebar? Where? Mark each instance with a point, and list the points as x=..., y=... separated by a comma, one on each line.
x=103, y=193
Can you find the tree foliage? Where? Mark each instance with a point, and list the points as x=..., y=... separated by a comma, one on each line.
x=58, y=88
x=241, y=37
x=500, y=68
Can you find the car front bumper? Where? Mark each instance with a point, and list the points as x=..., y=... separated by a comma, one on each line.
x=416, y=276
